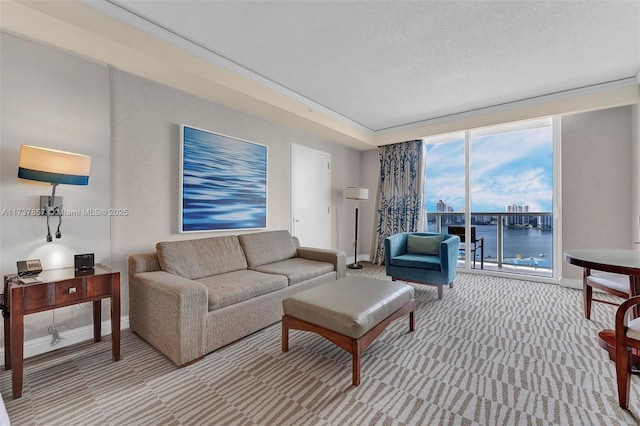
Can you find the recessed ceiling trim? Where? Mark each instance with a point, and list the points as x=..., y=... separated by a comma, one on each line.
x=515, y=104
x=605, y=95
x=120, y=12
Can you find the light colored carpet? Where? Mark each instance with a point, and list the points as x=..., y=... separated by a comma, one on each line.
x=494, y=351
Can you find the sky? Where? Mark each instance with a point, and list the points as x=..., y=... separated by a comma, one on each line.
x=507, y=168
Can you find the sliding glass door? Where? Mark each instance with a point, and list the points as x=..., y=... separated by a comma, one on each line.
x=495, y=186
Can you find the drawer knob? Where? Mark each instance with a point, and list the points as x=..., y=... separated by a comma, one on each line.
x=72, y=290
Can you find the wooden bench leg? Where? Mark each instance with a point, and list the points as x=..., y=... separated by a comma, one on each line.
x=587, y=294
x=285, y=334
x=412, y=322
x=356, y=352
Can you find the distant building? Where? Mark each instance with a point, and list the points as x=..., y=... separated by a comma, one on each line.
x=481, y=219
x=545, y=222
x=515, y=221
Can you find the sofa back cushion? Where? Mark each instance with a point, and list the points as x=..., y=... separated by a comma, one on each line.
x=194, y=259
x=267, y=247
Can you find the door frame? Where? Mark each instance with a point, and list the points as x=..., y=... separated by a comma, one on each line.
x=292, y=206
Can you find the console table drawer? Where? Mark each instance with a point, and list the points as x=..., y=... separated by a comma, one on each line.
x=70, y=291
x=98, y=285
x=37, y=297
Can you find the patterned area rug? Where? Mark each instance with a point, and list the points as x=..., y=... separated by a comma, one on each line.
x=494, y=351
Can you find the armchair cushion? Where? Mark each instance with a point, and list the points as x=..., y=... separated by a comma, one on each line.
x=417, y=261
x=417, y=244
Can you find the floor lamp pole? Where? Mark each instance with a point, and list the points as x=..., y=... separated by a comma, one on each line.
x=355, y=265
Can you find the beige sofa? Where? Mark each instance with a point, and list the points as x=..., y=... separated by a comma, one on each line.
x=191, y=297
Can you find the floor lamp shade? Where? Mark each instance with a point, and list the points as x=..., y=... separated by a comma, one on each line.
x=356, y=193
x=53, y=166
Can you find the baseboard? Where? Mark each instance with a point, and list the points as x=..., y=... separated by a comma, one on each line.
x=571, y=283
x=361, y=258
x=42, y=345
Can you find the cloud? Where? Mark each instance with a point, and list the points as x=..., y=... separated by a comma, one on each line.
x=508, y=168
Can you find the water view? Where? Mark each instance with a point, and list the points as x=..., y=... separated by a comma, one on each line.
x=522, y=246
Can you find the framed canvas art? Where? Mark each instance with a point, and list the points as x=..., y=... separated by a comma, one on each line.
x=223, y=182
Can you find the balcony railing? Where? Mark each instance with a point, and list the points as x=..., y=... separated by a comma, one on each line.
x=521, y=241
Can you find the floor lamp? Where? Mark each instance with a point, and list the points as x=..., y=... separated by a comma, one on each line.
x=356, y=193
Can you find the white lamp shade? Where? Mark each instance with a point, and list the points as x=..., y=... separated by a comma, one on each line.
x=357, y=193
x=51, y=165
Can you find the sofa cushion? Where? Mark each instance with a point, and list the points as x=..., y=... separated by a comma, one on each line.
x=417, y=244
x=267, y=247
x=297, y=269
x=238, y=286
x=202, y=257
x=421, y=261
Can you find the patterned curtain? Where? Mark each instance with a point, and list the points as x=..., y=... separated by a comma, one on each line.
x=400, y=195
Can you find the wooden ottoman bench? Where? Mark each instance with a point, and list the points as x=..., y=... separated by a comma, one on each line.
x=350, y=312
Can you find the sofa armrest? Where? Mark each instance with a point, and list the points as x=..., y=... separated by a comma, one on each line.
x=143, y=262
x=337, y=257
x=169, y=312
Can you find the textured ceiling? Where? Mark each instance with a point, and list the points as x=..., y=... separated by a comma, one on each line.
x=389, y=64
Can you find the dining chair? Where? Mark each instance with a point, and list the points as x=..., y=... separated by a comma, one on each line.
x=476, y=243
x=627, y=345
x=611, y=283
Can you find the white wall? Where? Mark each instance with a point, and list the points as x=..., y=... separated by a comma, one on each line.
x=635, y=183
x=597, y=188
x=53, y=100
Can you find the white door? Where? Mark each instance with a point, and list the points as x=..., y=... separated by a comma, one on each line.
x=311, y=196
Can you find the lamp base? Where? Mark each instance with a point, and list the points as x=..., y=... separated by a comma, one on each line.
x=355, y=266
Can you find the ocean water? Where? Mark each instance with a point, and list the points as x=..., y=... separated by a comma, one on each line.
x=530, y=247
x=224, y=183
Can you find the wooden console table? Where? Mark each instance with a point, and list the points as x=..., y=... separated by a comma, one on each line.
x=57, y=288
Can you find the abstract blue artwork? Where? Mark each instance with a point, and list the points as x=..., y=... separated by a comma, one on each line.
x=223, y=183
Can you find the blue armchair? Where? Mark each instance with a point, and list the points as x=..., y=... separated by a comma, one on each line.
x=422, y=260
